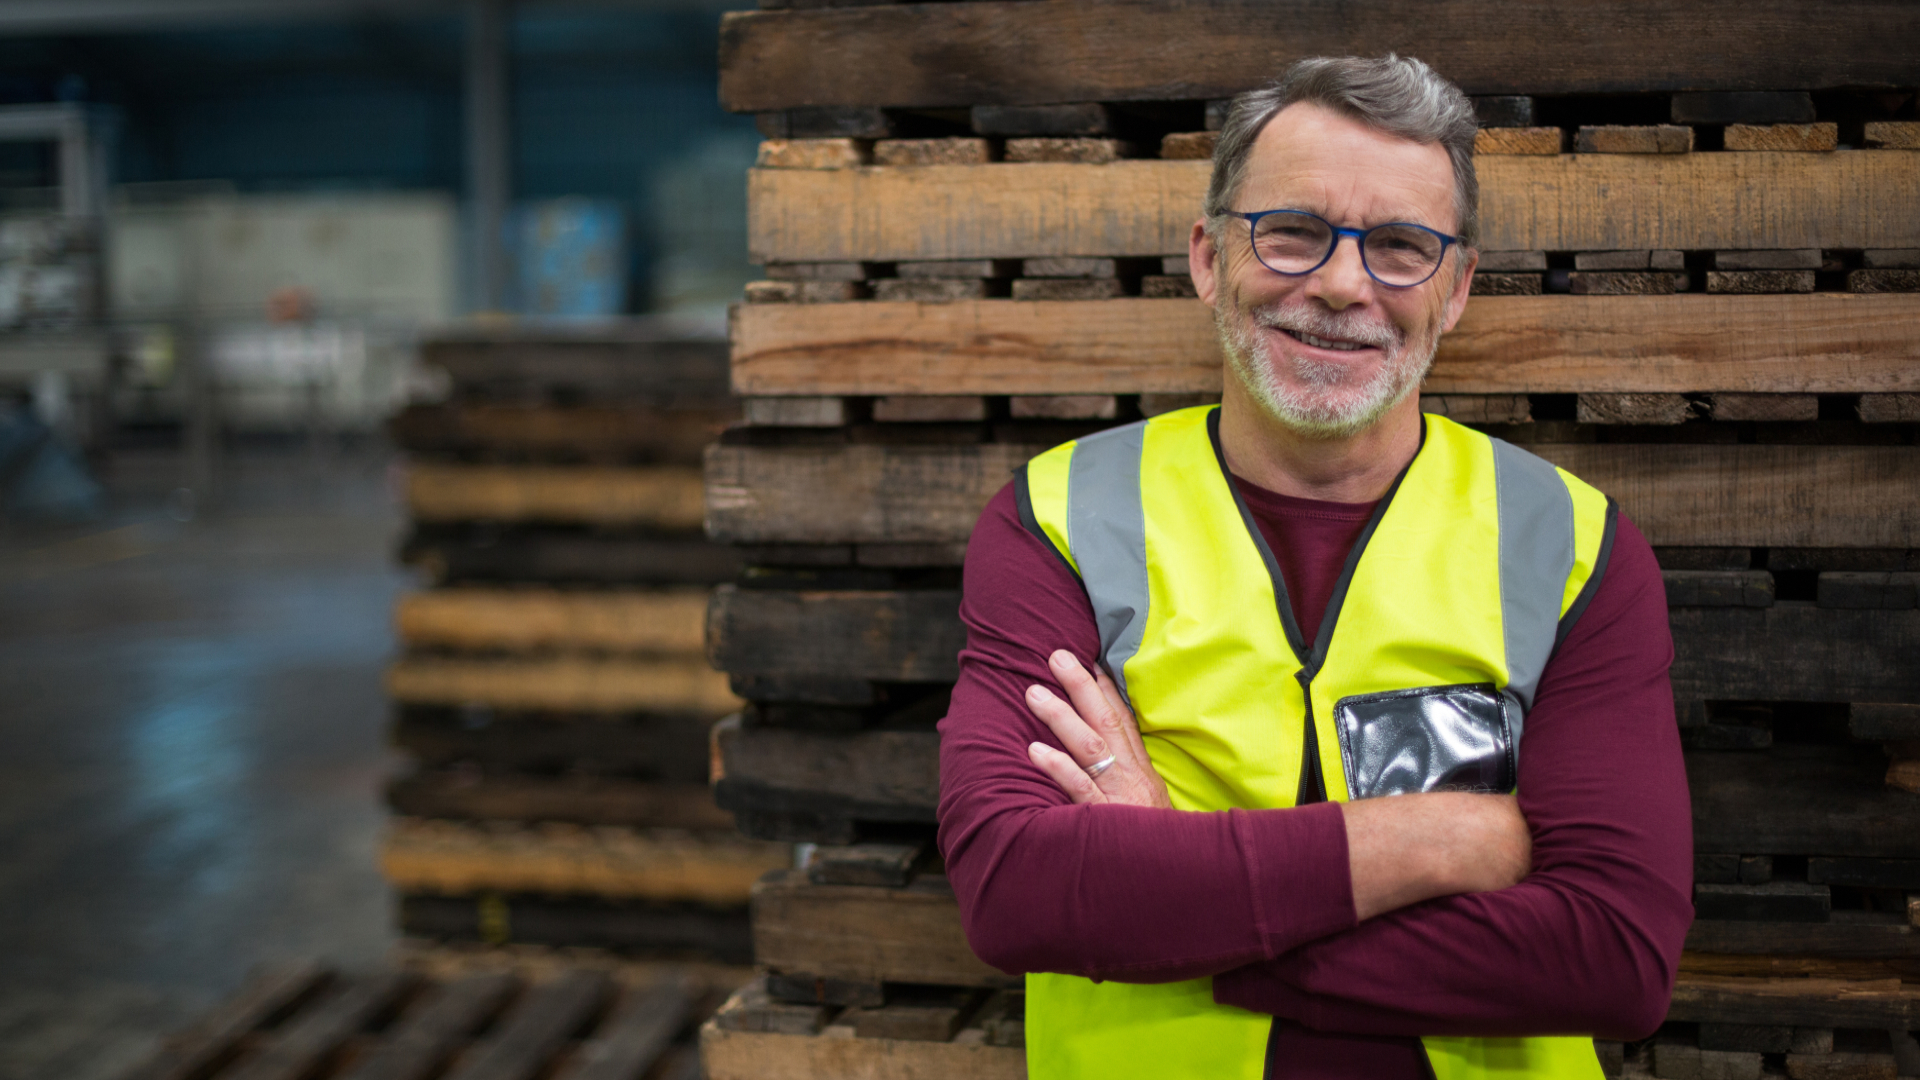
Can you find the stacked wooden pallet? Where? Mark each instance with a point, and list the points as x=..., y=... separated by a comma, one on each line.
x=553, y=696
x=1701, y=234
x=307, y=1022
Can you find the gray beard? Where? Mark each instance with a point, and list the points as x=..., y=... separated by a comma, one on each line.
x=1319, y=415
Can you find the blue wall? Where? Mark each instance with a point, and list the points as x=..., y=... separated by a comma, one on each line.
x=601, y=101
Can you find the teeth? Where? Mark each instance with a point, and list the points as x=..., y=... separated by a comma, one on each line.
x=1323, y=343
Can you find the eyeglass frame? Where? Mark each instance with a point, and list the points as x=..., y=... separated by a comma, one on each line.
x=1359, y=242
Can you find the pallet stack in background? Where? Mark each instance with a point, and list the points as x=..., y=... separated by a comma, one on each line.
x=1697, y=291
x=553, y=698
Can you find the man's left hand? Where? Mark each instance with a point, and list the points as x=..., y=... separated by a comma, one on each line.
x=1093, y=724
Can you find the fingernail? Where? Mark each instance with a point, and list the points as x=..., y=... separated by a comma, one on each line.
x=1034, y=749
x=1063, y=660
x=1039, y=693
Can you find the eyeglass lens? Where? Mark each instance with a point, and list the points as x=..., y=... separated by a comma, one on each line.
x=1296, y=243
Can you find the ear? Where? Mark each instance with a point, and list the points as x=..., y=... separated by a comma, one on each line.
x=1201, y=258
x=1457, y=299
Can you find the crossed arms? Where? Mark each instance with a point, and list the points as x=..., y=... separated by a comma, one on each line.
x=1395, y=917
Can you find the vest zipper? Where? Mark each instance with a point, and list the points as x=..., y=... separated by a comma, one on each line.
x=1313, y=788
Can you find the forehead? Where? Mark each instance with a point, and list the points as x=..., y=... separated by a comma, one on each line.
x=1311, y=158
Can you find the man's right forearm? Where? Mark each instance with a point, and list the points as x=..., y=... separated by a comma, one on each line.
x=1410, y=848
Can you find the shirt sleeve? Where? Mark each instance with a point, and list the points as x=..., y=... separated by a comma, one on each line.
x=1589, y=942
x=1126, y=893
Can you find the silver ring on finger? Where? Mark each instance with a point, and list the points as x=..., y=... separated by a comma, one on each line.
x=1094, y=770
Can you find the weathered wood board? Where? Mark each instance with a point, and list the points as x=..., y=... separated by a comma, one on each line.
x=1733, y=495
x=1044, y=51
x=628, y=620
x=595, y=432
x=1566, y=202
x=482, y=552
x=562, y=683
x=598, y=362
x=670, y=748
x=1822, y=343
x=486, y=1024
x=1791, y=651
x=585, y=800
x=866, y=933
x=759, y=1055
x=450, y=857
x=660, y=497
x=628, y=926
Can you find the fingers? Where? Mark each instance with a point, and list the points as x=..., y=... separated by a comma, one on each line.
x=1130, y=725
x=1081, y=741
x=1100, y=705
x=1065, y=774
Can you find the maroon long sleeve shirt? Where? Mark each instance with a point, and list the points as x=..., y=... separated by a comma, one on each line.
x=1262, y=899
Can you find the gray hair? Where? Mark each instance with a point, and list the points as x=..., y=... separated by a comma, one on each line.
x=1397, y=95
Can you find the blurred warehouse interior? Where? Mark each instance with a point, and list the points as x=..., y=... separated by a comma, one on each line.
x=224, y=217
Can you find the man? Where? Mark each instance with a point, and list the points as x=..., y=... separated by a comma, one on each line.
x=1309, y=600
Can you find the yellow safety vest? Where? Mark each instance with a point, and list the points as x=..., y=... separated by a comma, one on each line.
x=1472, y=568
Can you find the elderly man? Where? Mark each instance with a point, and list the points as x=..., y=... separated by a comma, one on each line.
x=1283, y=838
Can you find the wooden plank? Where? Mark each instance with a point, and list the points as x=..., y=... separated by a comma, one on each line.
x=890, y=865
x=643, y=927
x=867, y=933
x=423, y=1041
x=907, y=636
x=1749, y=651
x=587, y=800
x=597, y=432
x=1564, y=202
x=1801, y=800
x=862, y=493
x=1818, y=344
x=1872, y=719
x=523, y=1045
x=450, y=857
x=633, y=362
x=667, y=621
x=453, y=553
x=563, y=683
x=661, y=497
x=669, y=748
x=879, y=775
x=204, y=1047
x=298, y=1050
x=1785, y=496
x=1678, y=494
x=1045, y=51
x=1880, y=1004
x=745, y=1055
x=1794, y=652
x=1890, y=939
x=1777, y=901
x=638, y=1032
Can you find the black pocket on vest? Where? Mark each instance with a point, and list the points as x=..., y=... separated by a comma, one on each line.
x=1435, y=738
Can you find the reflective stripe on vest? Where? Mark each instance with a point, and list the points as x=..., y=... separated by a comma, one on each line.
x=1471, y=570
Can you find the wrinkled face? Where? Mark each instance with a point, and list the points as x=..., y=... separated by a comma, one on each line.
x=1329, y=352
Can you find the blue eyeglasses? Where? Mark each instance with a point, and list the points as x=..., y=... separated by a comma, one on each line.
x=1398, y=254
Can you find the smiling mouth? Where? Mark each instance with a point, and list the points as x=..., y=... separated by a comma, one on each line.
x=1323, y=343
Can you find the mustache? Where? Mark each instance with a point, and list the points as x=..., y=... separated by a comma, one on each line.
x=1340, y=326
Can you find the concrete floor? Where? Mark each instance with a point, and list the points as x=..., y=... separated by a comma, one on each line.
x=190, y=749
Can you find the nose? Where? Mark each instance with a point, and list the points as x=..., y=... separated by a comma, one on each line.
x=1342, y=281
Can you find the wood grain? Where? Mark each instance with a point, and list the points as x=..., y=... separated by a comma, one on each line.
x=1698, y=495
x=587, y=800
x=626, y=620
x=1876, y=1003
x=1824, y=343
x=1726, y=650
x=1047, y=51
x=866, y=933
x=1785, y=496
x=752, y=1055
x=597, y=432
x=1801, y=800
x=663, y=497
x=1567, y=202
x=421, y=855
x=563, y=684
